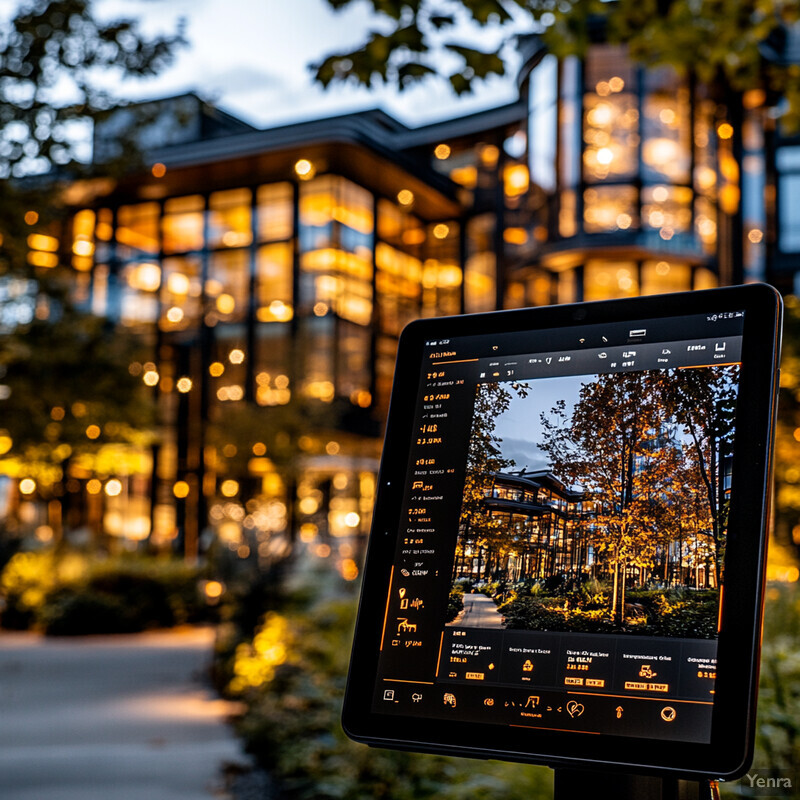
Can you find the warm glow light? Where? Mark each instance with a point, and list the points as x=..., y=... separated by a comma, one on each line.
x=320, y=309
x=236, y=356
x=40, y=259
x=304, y=169
x=94, y=486
x=213, y=590
x=27, y=486
x=605, y=155
x=6, y=442
x=83, y=248
x=489, y=154
x=57, y=413
x=31, y=217
x=180, y=489
x=226, y=304
x=725, y=130
x=184, y=385
x=349, y=569
x=259, y=449
x=308, y=505
x=515, y=236
x=616, y=84
x=158, y=170
x=660, y=194
x=93, y=431
x=229, y=488
x=405, y=197
x=755, y=235
x=442, y=151
x=150, y=377
x=175, y=314
x=352, y=519
x=178, y=283
x=114, y=488
x=38, y=241
x=216, y=369
x=441, y=230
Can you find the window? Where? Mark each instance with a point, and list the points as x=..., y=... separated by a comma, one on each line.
x=274, y=212
x=180, y=293
x=137, y=230
x=788, y=163
x=228, y=285
x=229, y=218
x=274, y=283
x=183, y=224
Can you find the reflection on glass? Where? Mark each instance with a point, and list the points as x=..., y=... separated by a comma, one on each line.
x=273, y=385
x=317, y=344
x=610, y=208
x=228, y=285
x=398, y=287
x=183, y=224
x=543, y=123
x=568, y=214
x=274, y=283
x=137, y=230
x=480, y=273
x=603, y=280
x=229, y=349
x=570, y=124
x=229, y=218
x=666, y=152
x=353, y=377
x=660, y=277
x=611, y=116
x=667, y=209
x=180, y=293
x=274, y=204
x=336, y=223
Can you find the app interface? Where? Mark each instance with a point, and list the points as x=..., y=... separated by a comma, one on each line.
x=560, y=558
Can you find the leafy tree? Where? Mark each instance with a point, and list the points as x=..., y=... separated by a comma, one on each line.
x=618, y=445
x=482, y=530
x=61, y=370
x=705, y=404
x=714, y=39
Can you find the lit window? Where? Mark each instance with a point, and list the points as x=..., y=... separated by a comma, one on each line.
x=183, y=224
x=229, y=218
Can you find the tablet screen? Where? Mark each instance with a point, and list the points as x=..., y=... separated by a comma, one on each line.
x=560, y=554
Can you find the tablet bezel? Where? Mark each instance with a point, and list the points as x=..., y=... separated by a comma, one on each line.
x=730, y=750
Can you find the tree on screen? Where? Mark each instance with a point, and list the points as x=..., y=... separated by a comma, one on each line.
x=619, y=444
x=482, y=532
x=704, y=402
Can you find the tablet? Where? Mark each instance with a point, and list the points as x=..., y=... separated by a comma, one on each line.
x=566, y=563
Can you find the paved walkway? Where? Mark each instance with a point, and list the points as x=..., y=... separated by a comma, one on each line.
x=111, y=718
x=480, y=611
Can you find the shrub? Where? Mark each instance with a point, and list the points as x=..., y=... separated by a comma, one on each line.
x=84, y=612
x=292, y=675
x=64, y=594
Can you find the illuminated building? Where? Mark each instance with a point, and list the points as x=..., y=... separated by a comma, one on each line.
x=263, y=266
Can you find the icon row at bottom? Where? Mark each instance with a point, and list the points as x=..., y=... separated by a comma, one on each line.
x=572, y=707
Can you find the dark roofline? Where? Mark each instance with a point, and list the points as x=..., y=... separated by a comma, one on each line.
x=373, y=129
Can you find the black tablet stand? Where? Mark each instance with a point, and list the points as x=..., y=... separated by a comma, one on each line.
x=577, y=784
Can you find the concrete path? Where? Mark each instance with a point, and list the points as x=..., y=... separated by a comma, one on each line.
x=480, y=611
x=111, y=718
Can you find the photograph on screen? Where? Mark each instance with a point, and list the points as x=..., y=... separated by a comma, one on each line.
x=597, y=504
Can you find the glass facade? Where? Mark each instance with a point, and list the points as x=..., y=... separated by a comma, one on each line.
x=269, y=306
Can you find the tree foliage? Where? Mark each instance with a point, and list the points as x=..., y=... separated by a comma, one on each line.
x=711, y=38
x=651, y=450
x=62, y=370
